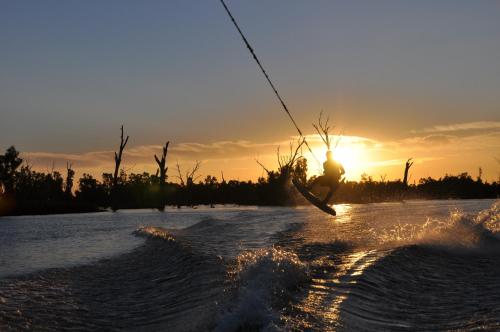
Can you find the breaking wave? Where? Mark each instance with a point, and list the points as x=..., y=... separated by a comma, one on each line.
x=263, y=281
x=459, y=231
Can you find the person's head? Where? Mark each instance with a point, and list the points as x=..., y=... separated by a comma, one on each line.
x=329, y=155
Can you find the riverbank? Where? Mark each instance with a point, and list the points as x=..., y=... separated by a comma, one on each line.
x=55, y=208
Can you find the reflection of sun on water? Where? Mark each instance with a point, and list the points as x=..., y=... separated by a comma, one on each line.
x=330, y=290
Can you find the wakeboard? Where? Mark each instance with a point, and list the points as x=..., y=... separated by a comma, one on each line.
x=313, y=199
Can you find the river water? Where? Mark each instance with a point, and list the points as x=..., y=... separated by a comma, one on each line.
x=418, y=265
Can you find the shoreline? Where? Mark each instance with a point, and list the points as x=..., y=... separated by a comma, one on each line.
x=86, y=210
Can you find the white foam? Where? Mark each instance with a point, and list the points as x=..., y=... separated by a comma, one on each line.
x=262, y=278
x=459, y=230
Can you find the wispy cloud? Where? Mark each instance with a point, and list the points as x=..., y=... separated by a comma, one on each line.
x=430, y=140
x=237, y=158
x=142, y=156
x=478, y=125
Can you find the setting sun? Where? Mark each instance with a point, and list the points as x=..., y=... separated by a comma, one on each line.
x=349, y=157
x=352, y=155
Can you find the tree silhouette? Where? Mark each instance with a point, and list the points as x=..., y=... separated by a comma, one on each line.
x=70, y=174
x=323, y=130
x=162, y=172
x=116, y=177
x=118, y=157
x=408, y=165
x=276, y=190
x=33, y=192
x=9, y=163
x=187, y=184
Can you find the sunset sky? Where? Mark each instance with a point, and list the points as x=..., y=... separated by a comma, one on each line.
x=398, y=79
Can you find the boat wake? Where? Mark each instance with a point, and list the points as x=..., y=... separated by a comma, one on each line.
x=277, y=270
x=459, y=231
x=440, y=275
x=261, y=281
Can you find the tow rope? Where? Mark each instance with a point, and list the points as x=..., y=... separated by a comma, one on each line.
x=249, y=47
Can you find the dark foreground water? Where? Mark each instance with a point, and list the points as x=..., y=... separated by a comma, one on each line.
x=426, y=265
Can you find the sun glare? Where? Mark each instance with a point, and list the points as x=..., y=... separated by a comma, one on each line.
x=347, y=156
x=352, y=158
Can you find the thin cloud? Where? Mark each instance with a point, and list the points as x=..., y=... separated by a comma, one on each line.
x=431, y=140
x=478, y=125
x=237, y=158
x=144, y=154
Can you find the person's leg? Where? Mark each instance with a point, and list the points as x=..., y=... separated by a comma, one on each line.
x=333, y=189
x=328, y=196
x=319, y=179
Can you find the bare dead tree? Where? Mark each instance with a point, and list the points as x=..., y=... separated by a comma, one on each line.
x=323, y=130
x=286, y=162
x=161, y=173
x=187, y=181
x=289, y=165
x=408, y=165
x=190, y=176
x=162, y=166
x=263, y=167
x=179, y=174
x=118, y=157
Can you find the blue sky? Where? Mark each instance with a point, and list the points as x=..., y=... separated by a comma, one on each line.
x=71, y=72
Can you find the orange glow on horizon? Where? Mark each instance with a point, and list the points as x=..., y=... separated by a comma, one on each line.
x=353, y=157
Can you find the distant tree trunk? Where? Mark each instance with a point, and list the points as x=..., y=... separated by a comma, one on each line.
x=70, y=174
x=162, y=171
x=187, y=184
x=118, y=160
x=408, y=165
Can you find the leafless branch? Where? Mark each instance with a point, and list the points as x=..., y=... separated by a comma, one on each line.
x=179, y=176
x=162, y=169
x=323, y=130
x=408, y=165
x=263, y=167
x=118, y=156
x=286, y=162
x=191, y=174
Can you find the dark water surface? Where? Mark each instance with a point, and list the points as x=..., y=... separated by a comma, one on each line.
x=421, y=265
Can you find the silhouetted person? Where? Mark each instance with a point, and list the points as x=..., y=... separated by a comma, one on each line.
x=332, y=173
